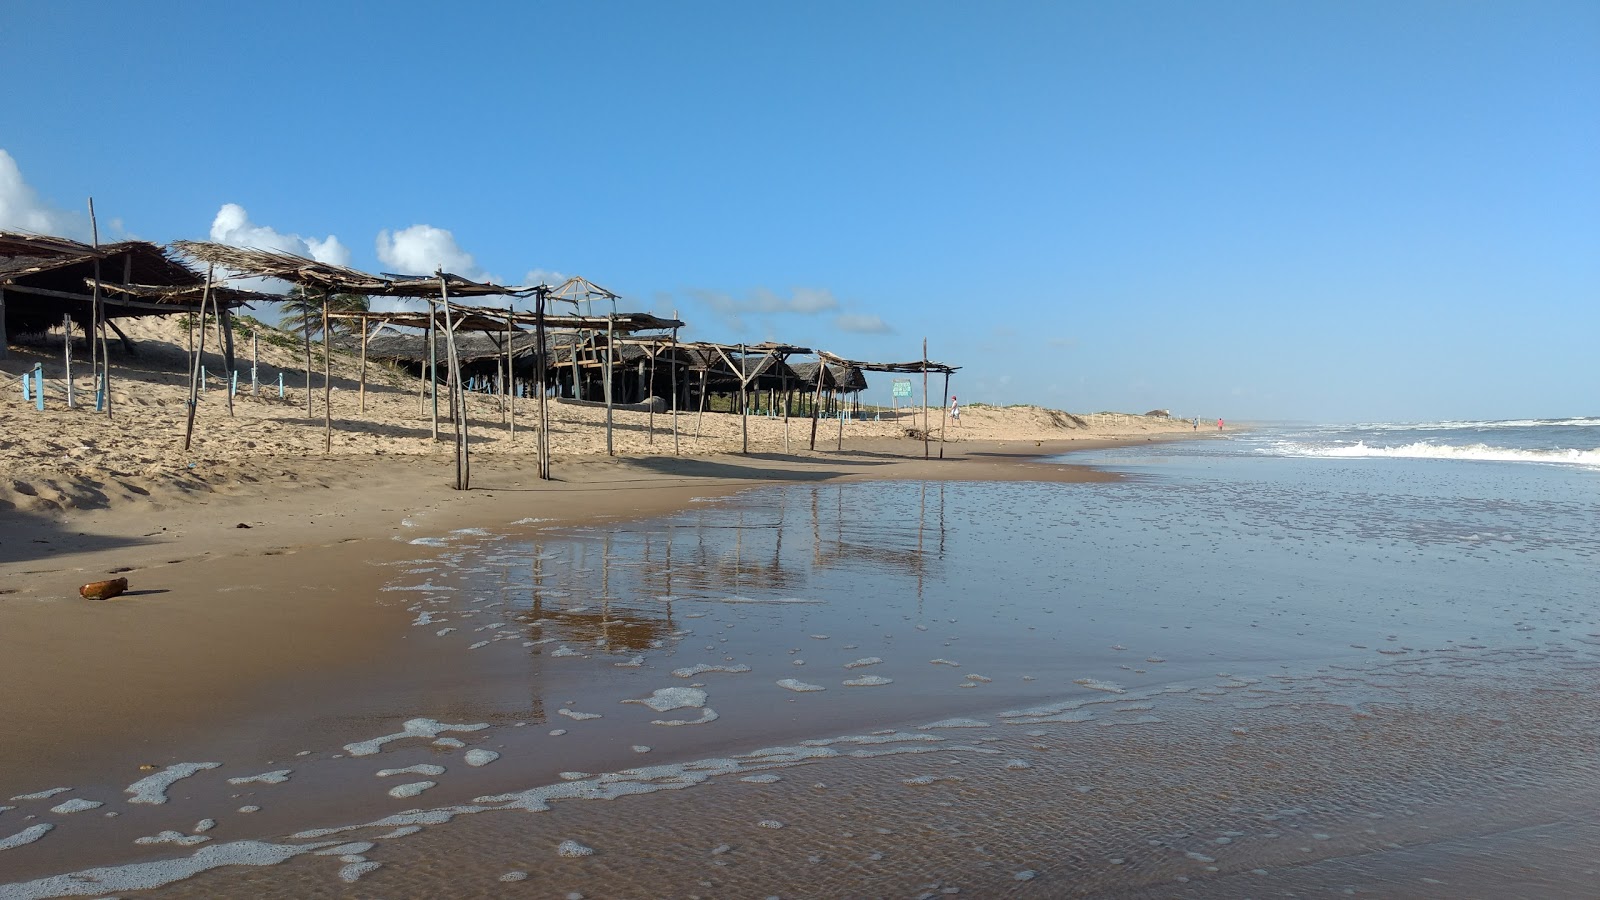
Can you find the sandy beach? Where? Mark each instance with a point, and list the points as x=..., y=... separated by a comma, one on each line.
x=850, y=672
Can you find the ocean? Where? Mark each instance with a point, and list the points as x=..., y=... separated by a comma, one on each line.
x=1349, y=659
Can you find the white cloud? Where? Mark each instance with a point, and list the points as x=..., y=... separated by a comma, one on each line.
x=232, y=226
x=859, y=323
x=22, y=210
x=544, y=276
x=424, y=249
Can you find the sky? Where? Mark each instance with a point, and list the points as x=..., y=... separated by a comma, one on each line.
x=1326, y=211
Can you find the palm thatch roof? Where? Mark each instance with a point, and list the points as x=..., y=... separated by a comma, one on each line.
x=244, y=262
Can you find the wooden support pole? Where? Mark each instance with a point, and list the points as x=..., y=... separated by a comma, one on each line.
x=945, y=408
x=305, y=318
x=744, y=404
x=508, y=388
x=255, y=364
x=66, y=330
x=94, y=302
x=702, y=413
x=924, y=398
x=816, y=400
x=674, y=388
x=649, y=394
x=194, y=367
x=327, y=376
x=611, y=323
x=840, y=414
x=433, y=364
x=457, y=395
x=362, y=390
x=540, y=374
x=227, y=386
x=225, y=320
x=5, y=342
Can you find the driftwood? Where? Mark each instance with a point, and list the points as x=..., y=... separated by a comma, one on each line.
x=103, y=590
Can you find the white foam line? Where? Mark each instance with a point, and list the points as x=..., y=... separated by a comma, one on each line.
x=278, y=777
x=429, y=728
x=42, y=795
x=405, y=791
x=476, y=758
x=25, y=836
x=173, y=837
x=702, y=668
x=76, y=804
x=153, y=789
x=628, y=782
x=418, y=769
x=668, y=699
x=798, y=686
x=863, y=662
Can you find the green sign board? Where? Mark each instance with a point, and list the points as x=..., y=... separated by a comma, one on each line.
x=902, y=387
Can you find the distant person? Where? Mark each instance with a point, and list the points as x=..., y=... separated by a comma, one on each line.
x=1219, y=424
x=955, y=410
x=1196, y=423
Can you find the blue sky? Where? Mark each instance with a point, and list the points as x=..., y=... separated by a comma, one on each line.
x=1329, y=211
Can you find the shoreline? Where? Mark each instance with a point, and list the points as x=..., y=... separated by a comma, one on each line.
x=216, y=613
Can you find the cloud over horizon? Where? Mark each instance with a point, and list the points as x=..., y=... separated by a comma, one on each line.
x=862, y=323
x=232, y=226
x=22, y=210
x=423, y=249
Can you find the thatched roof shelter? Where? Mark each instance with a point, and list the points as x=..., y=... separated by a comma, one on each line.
x=44, y=278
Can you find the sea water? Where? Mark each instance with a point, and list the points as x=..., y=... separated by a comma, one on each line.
x=1260, y=663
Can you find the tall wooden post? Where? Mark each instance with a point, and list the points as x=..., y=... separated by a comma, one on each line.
x=458, y=400
x=305, y=317
x=924, y=398
x=255, y=364
x=816, y=400
x=611, y=323
x=744, y=404
x=649, y=392
x=98, y=312
x=194, y=365
x=702, y=413
x=327, y=375
x=674, y=377
x=945, y=408
x=227, y=386
x=5, y=342
x=363, y=388
x=508, y=388
x=433, y=365
x=540, y=369
x=66, y=330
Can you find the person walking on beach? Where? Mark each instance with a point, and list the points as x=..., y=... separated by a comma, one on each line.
x=1219, y=424
x=955, y=410
x=1196, y=423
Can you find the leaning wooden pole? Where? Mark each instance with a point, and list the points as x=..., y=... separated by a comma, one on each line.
x=194, y=366
x=457, y=395
x=816, y=400
x=327, y=376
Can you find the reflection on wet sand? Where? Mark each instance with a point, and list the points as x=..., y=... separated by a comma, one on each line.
x=900, y=689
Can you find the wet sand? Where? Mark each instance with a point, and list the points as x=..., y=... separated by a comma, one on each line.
x=1029, y=718
x=217, y=613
